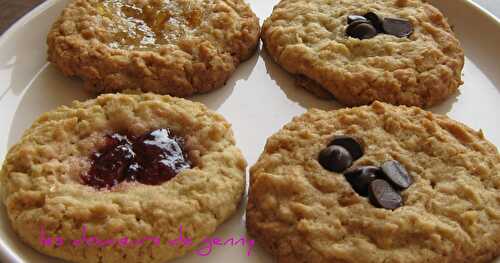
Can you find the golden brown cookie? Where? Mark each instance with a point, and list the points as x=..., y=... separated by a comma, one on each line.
x=177, y=47
x=52, y=185
x=302, y=212
x=308, y=38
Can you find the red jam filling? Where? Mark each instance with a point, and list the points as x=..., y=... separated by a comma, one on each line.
x=154, y=158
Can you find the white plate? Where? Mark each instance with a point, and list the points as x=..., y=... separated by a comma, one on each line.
x=257, y=100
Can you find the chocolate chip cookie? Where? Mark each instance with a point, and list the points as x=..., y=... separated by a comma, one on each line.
x=377, y=183
x=176, y=47
x=396, y=51
x=122, y=167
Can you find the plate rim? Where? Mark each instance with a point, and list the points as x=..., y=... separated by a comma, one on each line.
x=43, y=6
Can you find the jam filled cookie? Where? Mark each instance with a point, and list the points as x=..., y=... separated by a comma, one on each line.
x=138, y=168
x=377, y=183
x=177, y=47
x=396, y=51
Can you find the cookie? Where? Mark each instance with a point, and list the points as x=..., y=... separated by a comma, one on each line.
x=420, y=187
x=402, y=52
x=137, y=167
x=176, y=47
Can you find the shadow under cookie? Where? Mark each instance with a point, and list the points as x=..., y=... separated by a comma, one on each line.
x=294, y=92
x=214, y=99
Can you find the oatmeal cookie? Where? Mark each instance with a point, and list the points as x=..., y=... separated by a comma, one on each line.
x=448, y=212
x=420, y=67
x=172, y=163
x=178, y=47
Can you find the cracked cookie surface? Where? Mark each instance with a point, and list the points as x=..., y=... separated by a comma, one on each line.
x=42, y=185
x=301, y=212
x=308, y=38
x=178, y=47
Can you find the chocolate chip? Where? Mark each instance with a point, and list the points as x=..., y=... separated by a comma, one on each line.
x=397, y=27
x=382, y=195
x=396, y=174
x=361, y=30
x=335, y=158
x=354, y=18
x=361, y=177
x=350, y=144
x=376, y=21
